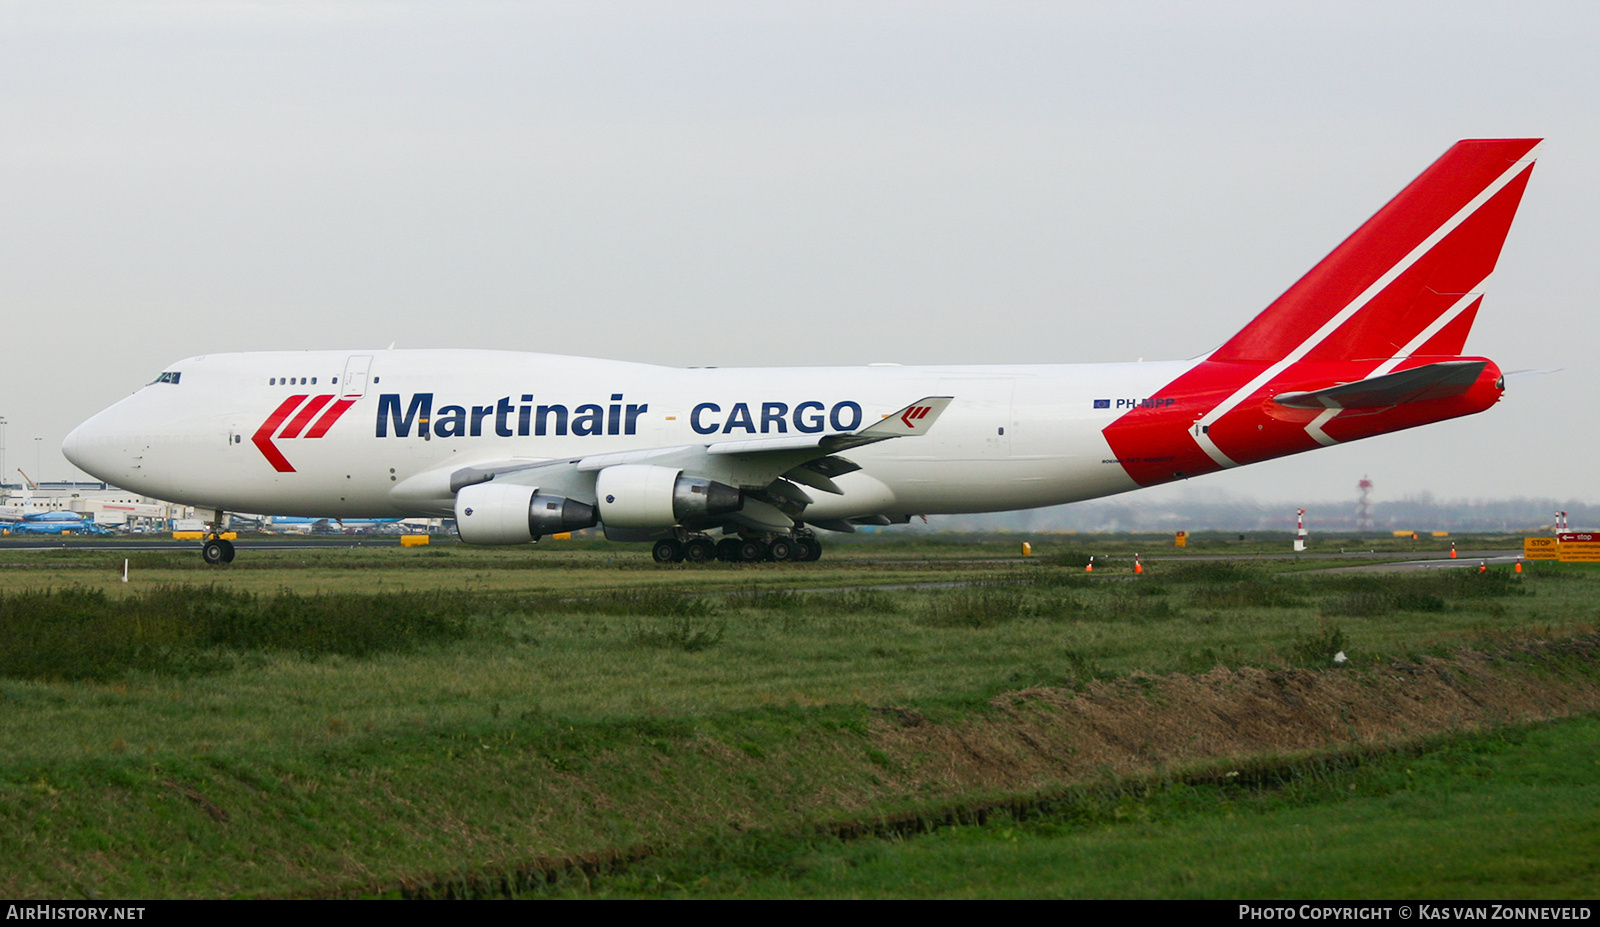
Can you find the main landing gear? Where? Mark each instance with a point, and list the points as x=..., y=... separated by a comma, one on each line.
x=802, y=546
x=695, y=548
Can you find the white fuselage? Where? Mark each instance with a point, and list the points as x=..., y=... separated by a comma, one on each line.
x=205, y=435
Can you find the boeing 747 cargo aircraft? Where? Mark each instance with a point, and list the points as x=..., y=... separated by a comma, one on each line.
x=744, y=463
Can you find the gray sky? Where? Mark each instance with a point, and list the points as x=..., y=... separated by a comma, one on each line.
x=778, y=183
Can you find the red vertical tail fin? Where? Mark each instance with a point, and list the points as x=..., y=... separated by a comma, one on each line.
x=1320, y=365
x=1406, y=282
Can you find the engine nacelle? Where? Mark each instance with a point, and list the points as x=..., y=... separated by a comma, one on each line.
x=645, y=496
x=505, y=513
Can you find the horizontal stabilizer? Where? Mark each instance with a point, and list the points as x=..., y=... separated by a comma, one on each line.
x=1433, y=381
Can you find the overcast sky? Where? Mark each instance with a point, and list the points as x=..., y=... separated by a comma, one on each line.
x=779, y=183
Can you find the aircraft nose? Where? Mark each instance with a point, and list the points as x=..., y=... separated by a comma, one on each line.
x=90, y=450
x=70, y=447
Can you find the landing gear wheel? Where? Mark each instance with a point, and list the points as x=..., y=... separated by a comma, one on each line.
x=667, y=550
x=752, y=551
x=782, y=549
x=808, y=550
x=699, y=550
x=728, y=550
x=217, y=552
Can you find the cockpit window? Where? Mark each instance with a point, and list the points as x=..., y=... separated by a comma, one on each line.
x=171, y=376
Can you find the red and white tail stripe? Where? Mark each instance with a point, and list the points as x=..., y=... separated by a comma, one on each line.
x=1437, y=248
x=1402, y=291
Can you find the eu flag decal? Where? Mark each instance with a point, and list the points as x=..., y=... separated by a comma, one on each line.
x=1102, y=403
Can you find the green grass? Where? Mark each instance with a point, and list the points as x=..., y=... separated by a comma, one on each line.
x=400, y=717
x=610, y=652
x=83, y=634
x=456, y=568
x=831, y=646
x=1524, y=802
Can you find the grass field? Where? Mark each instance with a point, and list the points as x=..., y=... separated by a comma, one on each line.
x=1526, y=801
x=350, y=721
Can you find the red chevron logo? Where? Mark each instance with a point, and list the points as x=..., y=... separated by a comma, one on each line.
x=912, y=414
x=305, y=413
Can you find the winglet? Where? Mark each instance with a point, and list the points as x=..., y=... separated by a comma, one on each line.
x=914, y=419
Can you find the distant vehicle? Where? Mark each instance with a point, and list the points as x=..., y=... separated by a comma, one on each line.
x=293, y=524
x=54, y=523
x=516, y=446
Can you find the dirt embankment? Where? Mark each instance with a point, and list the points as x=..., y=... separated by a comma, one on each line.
x=1040, y=740
x=1145, y=724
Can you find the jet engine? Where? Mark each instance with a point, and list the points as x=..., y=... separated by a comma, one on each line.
x=646, y=496
x=505, y=513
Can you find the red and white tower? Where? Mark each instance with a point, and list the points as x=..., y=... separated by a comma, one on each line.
x=1364, y=505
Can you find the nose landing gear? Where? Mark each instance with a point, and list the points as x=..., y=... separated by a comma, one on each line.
x=217, y=551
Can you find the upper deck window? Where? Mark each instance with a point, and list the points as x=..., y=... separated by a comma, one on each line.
x=171, y=376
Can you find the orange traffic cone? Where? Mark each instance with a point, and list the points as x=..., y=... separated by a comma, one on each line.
x=1090, y=567
x=1137, y=566
x=1519, y=564
x=1452, y=550
x=1483, y=566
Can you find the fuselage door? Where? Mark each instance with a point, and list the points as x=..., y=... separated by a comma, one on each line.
x=353, y=385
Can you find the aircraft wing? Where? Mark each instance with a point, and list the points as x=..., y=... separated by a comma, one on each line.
x=1433, y=381
x=769, y=472
x=762, y=453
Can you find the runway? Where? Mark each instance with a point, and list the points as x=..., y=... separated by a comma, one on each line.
x=1430, y=561
x=91, y=543
x=1463, y=560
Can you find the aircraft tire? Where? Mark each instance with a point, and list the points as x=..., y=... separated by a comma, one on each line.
x=752, y=551
x=699, y=550
x=782, y=549
x=809, y=550
x=667, y=550
x=728, y=550
x=217, y=552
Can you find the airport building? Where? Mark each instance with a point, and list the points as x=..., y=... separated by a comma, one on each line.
x=104, y=504
x=121, y=510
